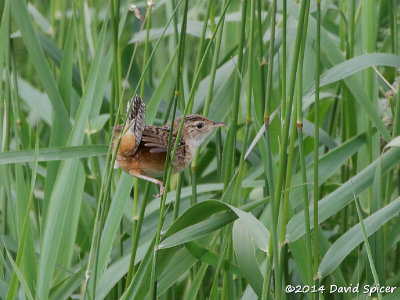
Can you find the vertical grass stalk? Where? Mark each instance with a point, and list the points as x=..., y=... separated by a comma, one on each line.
x=178, y=90
x=286, y=125
x=196, y=68
x=167, y=176
x=274, y=254
x=316, y=139
x=231, y=139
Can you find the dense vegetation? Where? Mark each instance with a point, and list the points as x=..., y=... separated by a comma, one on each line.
x=296, y=82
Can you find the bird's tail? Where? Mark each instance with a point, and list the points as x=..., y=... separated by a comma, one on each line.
x=135, y=123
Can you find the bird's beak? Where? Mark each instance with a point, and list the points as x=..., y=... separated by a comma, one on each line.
x=219, y=124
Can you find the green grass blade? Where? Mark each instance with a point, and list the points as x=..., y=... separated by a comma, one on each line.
x=198, y=230
x=246, y=256
x=65, y=80
x=211, y=258
x=20, y=276
x=343, y=246
x=332, y=203
x=197, y=280
x=51, y=154
x=20, y=12
x=113, y=220
x=353, y=66
x=57, y=210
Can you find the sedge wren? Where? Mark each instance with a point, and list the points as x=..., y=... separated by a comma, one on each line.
x=142, y=150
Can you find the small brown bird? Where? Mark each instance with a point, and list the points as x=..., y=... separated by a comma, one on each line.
x=142, y=150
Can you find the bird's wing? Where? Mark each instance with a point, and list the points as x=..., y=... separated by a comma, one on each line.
x=136, y=121
x=156, y=138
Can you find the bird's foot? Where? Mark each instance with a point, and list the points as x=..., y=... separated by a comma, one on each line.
x=162, y=189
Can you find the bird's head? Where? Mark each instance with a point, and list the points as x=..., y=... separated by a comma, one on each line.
x=196, y=128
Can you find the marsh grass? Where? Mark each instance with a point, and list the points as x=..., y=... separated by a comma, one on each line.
x=297, y=189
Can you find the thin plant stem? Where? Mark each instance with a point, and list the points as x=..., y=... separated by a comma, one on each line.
x=274, y=254
x=316, y=139
x=178, y=197
x=139, y=219
x=368, y=42
x=202, y=42
x=284, y=60
x=231, y=140
x=238, y=184
x=168, y=169
x=112, y=155
x=146, y=44
x=178, y=90
x=290, y=158
x=299, y=125
x=261, y=58
x=367, y=246
x=286, y=125
x=198, y=59
x=110, y=163
x=297, y=108
x=136, y=235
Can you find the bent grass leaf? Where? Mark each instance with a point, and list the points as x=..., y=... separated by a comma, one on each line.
x=245, y=250
x=193, y=216
x=353, y=237
x=342, y=196
x=394, y=143
x=198, y=230
x=255, y=228
x=354, y=65
x=248, y=234
x=329, y=164
x=211, y=258
x=208, y=216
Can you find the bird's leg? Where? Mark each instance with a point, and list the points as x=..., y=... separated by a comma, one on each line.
x=153, y=180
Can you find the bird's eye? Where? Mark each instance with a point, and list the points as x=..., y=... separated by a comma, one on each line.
x=200, y=125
